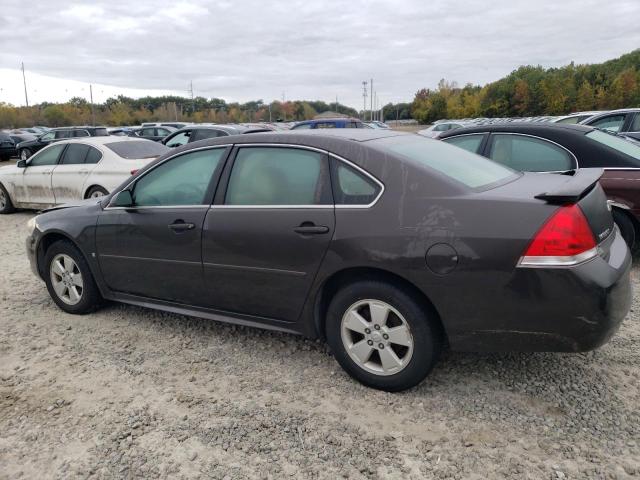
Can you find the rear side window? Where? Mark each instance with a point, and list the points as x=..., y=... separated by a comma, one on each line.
x=326, y=125
x=48, y=156
x=63, y=134
x=635, y=126
x=183, y=180
x=467, y=168
x=303, y=126
x=529, y=154
x=615, y=142
x=202, y=133
x=352, y=187
x=278, y=176
x=137, y=149
x=75, y=154
x=471, y=143
x=80, y=133
x=101, y=132
x=93, y=156
x=613, y=123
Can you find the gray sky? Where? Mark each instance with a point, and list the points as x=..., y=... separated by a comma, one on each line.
x=246, y=49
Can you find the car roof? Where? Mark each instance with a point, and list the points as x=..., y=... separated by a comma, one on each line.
x=77, y=127
x=101, y=140
x=520, y=127
x=332, y=119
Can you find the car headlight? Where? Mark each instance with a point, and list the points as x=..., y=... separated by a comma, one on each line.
x=32, y=224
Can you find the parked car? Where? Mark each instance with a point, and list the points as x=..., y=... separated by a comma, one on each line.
x=193, y=133
x=560, y=148
x=28, y=148
x=576, y=117
x=625, y=121
x=153, y=133
x=319, y=233
x=72, y=170
x=330, y=123
x=176, y=125
x=32, y=130
x=7, y=146
x=377, y=125
x=8, y=152
x=437, y=129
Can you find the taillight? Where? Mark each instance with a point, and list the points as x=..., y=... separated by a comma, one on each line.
x=133, y=172
x=565, y=239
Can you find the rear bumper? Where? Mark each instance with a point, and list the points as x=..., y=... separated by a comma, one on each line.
x=569, y=309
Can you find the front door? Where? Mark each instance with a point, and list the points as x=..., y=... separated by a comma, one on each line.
x=153, y=248
x=264, y=239
x=36, y=185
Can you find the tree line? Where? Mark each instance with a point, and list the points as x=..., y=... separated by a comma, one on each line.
x=532, y=91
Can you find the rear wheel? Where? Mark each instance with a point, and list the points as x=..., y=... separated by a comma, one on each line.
x=382, y=336
x=626, y=226
x=96, y=192
x=69, y=279
x=25, y=153
x=6, y=205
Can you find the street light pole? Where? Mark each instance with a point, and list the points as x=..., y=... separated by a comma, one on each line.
x=24, y=80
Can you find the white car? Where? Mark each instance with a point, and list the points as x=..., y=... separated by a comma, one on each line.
x=72, y=170
x=437, y=129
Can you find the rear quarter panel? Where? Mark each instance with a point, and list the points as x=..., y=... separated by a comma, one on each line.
x=623, y=187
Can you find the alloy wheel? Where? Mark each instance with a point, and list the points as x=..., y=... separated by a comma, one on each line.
x=96, y=194
x=66, y=279
x=23, y=155
x=377, y=337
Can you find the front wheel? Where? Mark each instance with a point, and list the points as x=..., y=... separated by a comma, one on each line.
x=69, y=279
x=25, y=153
x=382, y=336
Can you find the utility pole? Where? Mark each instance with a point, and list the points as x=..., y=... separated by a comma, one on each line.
x=337, y=104
x=371, y=115
x=364, y=97
x=24, y=80
x=269, y=112
x=284, y=112
x=193, y=105
x=93, y=113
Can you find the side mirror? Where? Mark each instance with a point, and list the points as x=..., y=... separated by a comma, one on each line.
x=21, y=164
x=122, y=199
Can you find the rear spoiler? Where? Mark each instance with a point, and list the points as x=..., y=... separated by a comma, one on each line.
x=574, y=187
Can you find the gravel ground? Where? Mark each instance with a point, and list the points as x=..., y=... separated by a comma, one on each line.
x=128, y=392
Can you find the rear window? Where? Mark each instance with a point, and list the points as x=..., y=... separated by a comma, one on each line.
x=467, y=168
x=137, y=149
x=615, y=142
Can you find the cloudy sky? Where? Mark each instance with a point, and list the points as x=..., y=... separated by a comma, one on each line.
x=243, y=50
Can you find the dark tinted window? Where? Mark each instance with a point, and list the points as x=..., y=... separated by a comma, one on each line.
x=635, y=126
x=326, y=125
x=148, y=132
x=351, y=187
x=350, y=125
x=183, y=180
x=202, y=133
x=302, y=126
x=62, y=133
x=48, y=156
x=75, y=154
x=100, y=132
x=137, y=149
x=80, y=133
x=93, y=156
x=471, y=143
x=278, y=176
x=529, y=154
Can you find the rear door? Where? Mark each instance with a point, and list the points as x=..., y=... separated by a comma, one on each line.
x=36, y=178
x=70, y=175
x=265, y=236
x=153, y=249
x=526, y=153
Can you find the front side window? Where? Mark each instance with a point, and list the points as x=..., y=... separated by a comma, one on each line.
x=278, y=176
x=183, y=180
x=63, y=134
x=326, y=125
x=615, y=142
x=528, y=154
x=302, y=126
x=471, y=143
x=162, y=132
x=147, y=132
x=443, y=127
x=351, y=187
x=48, y=136
x=202, y=133
x=75, y=154
x=80, y=133
x=48, y=156
x=613, y=123
x=179, y=140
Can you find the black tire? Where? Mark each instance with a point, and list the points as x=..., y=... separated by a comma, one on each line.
x=424, y=327
x=25, y=153
x=627, y=228
x=6, y=205
x=96, y=191
x=90, y=298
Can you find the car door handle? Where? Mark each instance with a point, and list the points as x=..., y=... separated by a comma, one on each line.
x=181, y=226
x=311, y=229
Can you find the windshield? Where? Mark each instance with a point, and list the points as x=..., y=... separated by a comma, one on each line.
x=467, y=168
x=137, y=149
x=615, y=142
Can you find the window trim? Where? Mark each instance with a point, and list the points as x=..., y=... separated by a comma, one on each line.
x=489, y=147
x=314, y=149
x=481, y=147
x=146, y=172
x=85, y=157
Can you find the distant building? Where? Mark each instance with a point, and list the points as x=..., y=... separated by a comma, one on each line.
x=330, y=114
